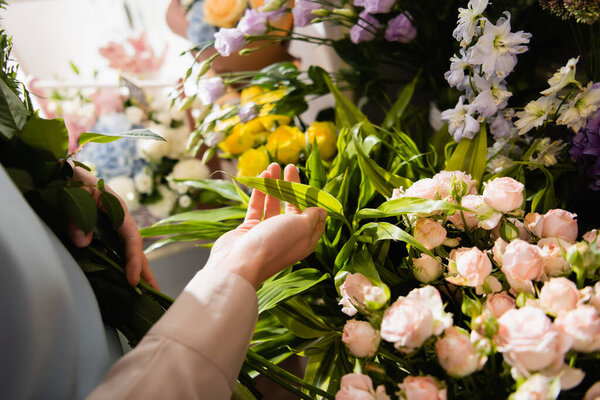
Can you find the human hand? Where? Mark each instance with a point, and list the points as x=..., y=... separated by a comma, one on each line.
x=136, y=262
x=268, y=241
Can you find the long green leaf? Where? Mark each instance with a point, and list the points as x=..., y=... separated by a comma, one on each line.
x=273, y=292
x=93, y=137
x=470, y=155
x=376, y=231
x=221, y=187
x=406, y=205
x=217, y=214
x=201, y=228
x=302, y=196
x=315, y=168
x=395, y=113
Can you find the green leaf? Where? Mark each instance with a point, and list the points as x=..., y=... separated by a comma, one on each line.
x=47, y=134
x=203, y=229
x=302, y=196
x=81, y=165
x=223, y=188
x=296, y=315
x=92, y=137
x=326, y=368
x=80, y=207
x=21, y=178
x=470, y=156
x=241, y=392
x=217, y=214
x=383, y=181
x=395, y=113
x=317, y=175
x=376, y=231
x=274, y=5
x=113, y=208
x=406, y=205
x=347, y=114
x=13, y=113
x=273, y=292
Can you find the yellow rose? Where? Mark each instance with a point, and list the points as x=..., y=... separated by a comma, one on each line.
x=236, y=142
x=253, y=162
x=250, y=94
x=224, y=13
x=272, y=121
x=255, y=129
x=326, y=137
x=285, y=144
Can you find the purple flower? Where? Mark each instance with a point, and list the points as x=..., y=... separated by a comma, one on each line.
x=365, y=29
x=253, y=23
x=586, y=150
x=229, y=40
x=375, y=6
x=302, y=12
x=275, y=14
x=248, y=111
x=210, y=89
x=400, y=29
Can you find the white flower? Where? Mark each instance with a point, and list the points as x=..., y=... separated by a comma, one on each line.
x=125, y=188
x=185, y=201
x=562, y=77
x=154, y=150
x=580, y=108
x=468, y=19
x=135, y=115
x=535, y=114
x=497, y=48
x=461, y=122
x=546, y=151
x=143, y=183
x=190, y=168
x=435, y=117
x=456, y=76
x=537, y=386
x=163, y=207
x=501, y=126
x=493, y=88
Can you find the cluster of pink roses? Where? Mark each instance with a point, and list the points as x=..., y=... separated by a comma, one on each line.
x=527, y=308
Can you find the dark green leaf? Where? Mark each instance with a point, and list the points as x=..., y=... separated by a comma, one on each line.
x=92, y=137
x=80, y=207
x=395, y=113
x=47, y=134
x=21, y=178
x=81, y=165
x=272, y=292
x=406, y=205
x=113, y=208
x=13, y=113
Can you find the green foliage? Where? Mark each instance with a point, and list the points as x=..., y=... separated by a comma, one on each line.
x=91, y=137
x=470, y=155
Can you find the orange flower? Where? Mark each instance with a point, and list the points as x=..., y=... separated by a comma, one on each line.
x=224, y=13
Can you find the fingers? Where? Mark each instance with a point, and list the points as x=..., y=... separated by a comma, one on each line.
x=134, y=254
x=78, y=237
x=256, y=204
x=317, y=216
x=147, y=273
x=291, y=174
x=273, y=205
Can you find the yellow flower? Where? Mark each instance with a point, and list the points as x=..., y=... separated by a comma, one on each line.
x=250, y=94
x=256, y=130
x=326, y=137
x=272, y=121
x=236, y=142
x=224, y=13
x=285, y=144
x=227, y=124
x=253, y=162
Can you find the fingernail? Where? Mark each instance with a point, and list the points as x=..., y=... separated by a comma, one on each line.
x=322, y=214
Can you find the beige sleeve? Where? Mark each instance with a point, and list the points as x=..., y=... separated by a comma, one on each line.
x=195, y=351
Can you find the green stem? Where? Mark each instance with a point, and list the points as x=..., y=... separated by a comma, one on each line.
x=263, y=362
x=142, y=284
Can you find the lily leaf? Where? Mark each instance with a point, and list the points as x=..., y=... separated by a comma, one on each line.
x=217, y=214
x=407, y=205
x=393, y=116
x=273, y=292
x=470, y=156
x=92, y=137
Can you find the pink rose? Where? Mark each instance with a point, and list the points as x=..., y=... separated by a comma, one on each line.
x=361, y=338
x=457, y=180
x=426, y=268
x=592, y=237
x=411, y=320
x=422, y=388
x=472, y=266
x=503, y=194
x=534, y=223
x=522, y=263
x=560, y=224
x=485, y=217
x=499, y=303
x=359, y=387
x=498, y=250
x=537, y=386
x=529, y=341
x=591, y=295
x=456, y=353
x=429, y=233
x=582, y=325
x=356, y=290
x=553, y=261
x=425, y=188
x=559, y=296
x=593, y=393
